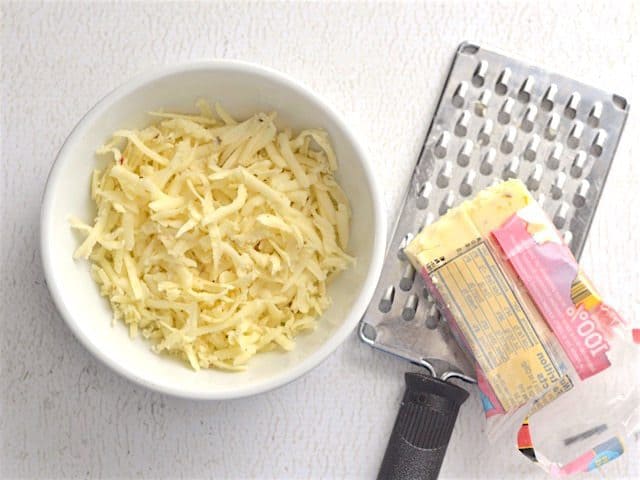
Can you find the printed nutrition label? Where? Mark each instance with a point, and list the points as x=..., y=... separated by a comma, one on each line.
x=497, y=329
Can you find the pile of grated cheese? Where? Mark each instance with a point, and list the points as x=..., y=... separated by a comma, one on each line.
x=215, y=239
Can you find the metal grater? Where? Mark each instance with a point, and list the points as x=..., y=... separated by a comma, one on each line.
x=498, y=117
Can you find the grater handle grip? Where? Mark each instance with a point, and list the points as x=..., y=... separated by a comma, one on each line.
x=422, y=430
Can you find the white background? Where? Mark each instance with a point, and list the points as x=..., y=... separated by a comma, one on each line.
x=63, y=414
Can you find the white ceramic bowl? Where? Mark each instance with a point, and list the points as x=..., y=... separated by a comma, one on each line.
x=243, y=89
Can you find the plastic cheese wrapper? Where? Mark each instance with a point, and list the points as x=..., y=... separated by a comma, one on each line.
x=547, y=350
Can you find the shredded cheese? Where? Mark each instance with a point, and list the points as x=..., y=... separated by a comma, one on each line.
x=215, y=238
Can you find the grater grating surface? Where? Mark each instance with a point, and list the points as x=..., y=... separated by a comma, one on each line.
x=497, y=118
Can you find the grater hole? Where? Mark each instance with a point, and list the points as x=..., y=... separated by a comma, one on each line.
x=410, y=307
x=444, y=176
x=512, y=168
x=433, y=317
x=484, y=134
x=560, y=218
x=598, y=143
x=549, y=98
x=423, y=196
x=558, y=186
x=403, y=244
x=386, y=302
x=459, y=94
x=486, y=167
x=531, y=150
x=482, y=103
x=567, y=238
x=596, y=150
x=480, y=73
x=571, y=108
x=464, y=155
x=440, y=148
x=477, y=81
x=466, y=187
x=533, y=181
x=502, y=81
x=447, y=202
x=408, y=275
x=580, y=196
x=577, y=167
x=524, y=94
x=529, y=119
x=594, y=115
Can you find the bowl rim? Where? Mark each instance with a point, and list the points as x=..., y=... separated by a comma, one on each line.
x=360, y=303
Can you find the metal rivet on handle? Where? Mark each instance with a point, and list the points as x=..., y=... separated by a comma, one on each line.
x=532, y=148
x=580, y=197
x=524, y=94
x=444, y=176
x=557, y=186
x=554, y=157
x=598, y=143
x=464, y=155
x=571, y=109
x=403, y=244
x=509, y=139
x=482, y=103
x=459, y=94
x=560, y=217
x=529, y=118
x=408, y=275
x=387, y=299
x=549, y=98
x=484, y=135
x=440, y=149
x=423, y=195
x=511, y=170
x=447, y=202
x=433, y=317
x=577, y=167
x=410, y=307
x=480, y=73
x=502, y=84
x=551, y=130
x=466, y=187
x=573, y=140
x=594, y=115
x=462, y=125
x=488, y=160
x=533, y=182
x=504, y=115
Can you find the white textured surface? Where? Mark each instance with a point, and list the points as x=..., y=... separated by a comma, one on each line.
x=62, y=414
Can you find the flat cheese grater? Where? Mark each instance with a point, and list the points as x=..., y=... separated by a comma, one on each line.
x=497, y=118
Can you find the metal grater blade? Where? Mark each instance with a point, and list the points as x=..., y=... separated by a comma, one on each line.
x=498, y=117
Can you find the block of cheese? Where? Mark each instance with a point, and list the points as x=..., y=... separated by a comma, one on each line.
x=481, y=297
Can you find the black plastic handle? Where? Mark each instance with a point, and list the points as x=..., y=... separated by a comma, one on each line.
x=422, y=430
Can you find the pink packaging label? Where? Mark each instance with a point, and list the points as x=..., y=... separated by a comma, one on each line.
x=547, y=271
